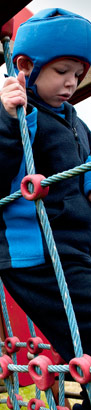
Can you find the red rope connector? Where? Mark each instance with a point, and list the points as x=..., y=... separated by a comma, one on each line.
x=10, y=405
x=44, y=380
x=36, y=403
x=84, y=363
x=56, y=356
x=7, y=29
x=10, y=344
x=4, y=361
x=38, y=192
x=32, y=345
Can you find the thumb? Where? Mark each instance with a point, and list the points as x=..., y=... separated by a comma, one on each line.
x=21, y=79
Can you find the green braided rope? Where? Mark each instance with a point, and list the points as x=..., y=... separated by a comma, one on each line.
x=66, y=174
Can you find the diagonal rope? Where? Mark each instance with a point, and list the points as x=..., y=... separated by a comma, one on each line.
x=66, y=174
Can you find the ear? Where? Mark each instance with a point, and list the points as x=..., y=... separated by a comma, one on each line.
x=25, y=65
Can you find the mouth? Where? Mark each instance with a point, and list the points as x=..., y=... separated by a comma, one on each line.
x=64, y=96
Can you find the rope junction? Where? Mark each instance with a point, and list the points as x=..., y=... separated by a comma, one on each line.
x=13, y=388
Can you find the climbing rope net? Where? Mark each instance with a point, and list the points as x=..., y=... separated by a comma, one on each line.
x=40, y=367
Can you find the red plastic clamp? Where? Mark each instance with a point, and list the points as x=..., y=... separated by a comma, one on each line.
x=84, y=363
x=39, y=191
x=7, y=29
x=10, y=344
x=4, y=361
x=32, y=345
x=56, y=356
x=45, y=379
x=10, y=405
x=37, y=404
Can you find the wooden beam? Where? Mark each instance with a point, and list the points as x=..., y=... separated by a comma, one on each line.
x=81, y=94
x=83, y=91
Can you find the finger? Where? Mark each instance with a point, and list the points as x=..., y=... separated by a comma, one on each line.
x=8, y=81
x=21, y=79
x=14, y=99
x=14, y=82
x=12, y=87
x=11, y=91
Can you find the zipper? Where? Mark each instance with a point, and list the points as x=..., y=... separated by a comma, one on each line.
x=77, y=140
x=75, y=133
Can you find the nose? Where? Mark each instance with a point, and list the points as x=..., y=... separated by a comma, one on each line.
x=71, y=80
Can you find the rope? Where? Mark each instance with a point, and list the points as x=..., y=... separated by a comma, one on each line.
x=24, y=344
x=61, y=390
x=50, y=399
x=51, y=368
x=10, y=198
x=67, y=174
x=50, y=180
x=60, y=278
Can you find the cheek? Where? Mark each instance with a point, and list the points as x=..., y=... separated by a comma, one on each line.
x=45, y=87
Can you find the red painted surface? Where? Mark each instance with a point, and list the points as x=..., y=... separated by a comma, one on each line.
x=20, y=328
x=20, y=18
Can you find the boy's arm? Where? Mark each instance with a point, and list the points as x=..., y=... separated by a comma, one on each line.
x=10, y=150
x=10, y=139
x=87, y=181
x=87, y=175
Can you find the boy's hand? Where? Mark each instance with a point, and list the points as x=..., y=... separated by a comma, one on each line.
x=13, y=93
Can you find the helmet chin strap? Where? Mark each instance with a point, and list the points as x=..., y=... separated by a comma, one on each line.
x=33, y=75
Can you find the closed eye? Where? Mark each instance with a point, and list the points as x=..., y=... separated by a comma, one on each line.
x=61, y=71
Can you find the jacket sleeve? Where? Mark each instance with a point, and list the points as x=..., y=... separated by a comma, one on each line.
x=87, y=175
x=87, y=179
x=10, y=150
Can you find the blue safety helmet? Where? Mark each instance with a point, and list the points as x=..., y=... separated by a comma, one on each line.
x=51, y=34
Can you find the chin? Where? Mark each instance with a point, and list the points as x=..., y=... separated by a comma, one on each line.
x=57, y=105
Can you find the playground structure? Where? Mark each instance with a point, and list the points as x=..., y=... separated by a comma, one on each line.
x=40, y=368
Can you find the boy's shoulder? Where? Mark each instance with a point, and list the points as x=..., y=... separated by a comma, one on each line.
x=84, y=125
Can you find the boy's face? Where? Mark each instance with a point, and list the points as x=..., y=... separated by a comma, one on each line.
x=58, y=81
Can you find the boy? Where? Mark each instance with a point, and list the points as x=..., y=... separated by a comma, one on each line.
x=53, y=51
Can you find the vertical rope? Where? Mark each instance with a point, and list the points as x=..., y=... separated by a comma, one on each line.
x=61, y=390
x=31, y=327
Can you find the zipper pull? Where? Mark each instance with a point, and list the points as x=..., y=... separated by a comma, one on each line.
x=75, y=133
